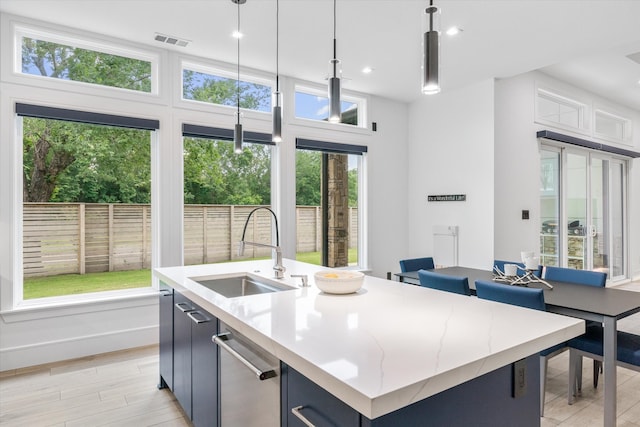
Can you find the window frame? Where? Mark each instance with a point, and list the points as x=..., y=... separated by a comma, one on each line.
x=626, y=123
x=79, y=116
x=22, y=30
x=189, y=129
x=222, y=70
x=325, y=145
x=584, y=110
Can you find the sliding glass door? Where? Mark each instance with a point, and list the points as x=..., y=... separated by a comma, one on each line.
x=582, y=204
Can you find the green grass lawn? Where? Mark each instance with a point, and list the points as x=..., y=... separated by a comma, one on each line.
x=72, y=284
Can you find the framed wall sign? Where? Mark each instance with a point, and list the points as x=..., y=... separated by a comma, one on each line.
x=447, y=198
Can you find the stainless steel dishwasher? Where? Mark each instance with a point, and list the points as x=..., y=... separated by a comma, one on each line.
x=249, y=382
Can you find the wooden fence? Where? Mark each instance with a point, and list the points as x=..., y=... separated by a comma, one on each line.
x=72, y=238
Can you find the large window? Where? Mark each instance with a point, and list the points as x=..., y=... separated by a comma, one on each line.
x=221, y=188
x=47, y=57
x=86, y=204
x=328, y=200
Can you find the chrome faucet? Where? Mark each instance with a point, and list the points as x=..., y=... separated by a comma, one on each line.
x=278, y=268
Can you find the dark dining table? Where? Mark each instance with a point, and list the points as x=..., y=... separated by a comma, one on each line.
x=604, y=305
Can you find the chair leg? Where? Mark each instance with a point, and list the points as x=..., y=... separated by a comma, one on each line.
x=597, y=370
x=543, y=382
x=573, y=377
x=578, y=363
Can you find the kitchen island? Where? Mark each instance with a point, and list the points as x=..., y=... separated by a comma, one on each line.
x=386, y=347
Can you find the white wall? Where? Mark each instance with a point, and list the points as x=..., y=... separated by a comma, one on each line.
x=451, y=152
x=517, y=170
x=518, y=163
x=388, y=193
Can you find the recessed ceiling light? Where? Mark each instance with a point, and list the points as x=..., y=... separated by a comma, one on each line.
x=237, y=34
x=452, y=31
x=367, y=70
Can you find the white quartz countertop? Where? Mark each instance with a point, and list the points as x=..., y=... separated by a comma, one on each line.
x=383, y=348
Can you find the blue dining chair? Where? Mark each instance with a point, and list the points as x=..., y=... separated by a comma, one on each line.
x=443, y=282
x=524, y=297
x=591, y=345
x=514, y=295
x=572, y=275
x=580, y=277
x=415, y=264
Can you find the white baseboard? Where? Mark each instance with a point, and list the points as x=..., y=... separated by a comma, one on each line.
x=54, y=351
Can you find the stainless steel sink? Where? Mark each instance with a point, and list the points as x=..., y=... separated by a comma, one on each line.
x=238, y=286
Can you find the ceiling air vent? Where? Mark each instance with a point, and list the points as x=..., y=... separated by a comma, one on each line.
x=163, y=38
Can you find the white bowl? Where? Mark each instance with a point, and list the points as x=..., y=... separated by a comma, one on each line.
x=339, y=282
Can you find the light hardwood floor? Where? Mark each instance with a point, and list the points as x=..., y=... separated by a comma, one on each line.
x=119, y=389
x=113, y=389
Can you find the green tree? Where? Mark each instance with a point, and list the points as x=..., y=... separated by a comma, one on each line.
x=353, y=188
x=69, y=63
x=72, y=162
x=223, y=91
x=77, y=162
x=215, y=174
x=308, y=170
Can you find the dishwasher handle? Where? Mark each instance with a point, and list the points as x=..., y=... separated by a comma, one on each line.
x=220, y=340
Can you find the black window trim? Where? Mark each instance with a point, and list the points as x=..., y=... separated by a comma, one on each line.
x=330, y=147
x=567, y=139
x=222, y=134
x=54, y=113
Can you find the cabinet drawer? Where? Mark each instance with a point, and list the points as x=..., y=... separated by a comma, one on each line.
x=318, y=406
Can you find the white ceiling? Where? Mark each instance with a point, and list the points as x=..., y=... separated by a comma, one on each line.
x=583, y=42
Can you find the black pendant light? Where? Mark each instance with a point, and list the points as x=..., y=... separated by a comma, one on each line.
x=277, y=95
x=238, y=133
x=431, y=52
x=334, y=78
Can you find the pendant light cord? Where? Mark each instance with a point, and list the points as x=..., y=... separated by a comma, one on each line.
x=335, y=66
x=238, y=81
x=431, y=15
x=277, y=46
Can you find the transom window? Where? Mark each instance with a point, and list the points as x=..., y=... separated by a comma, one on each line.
x=221, y=88
x=312, y=104
x=612, y=127
x=73, y=60
x=559, y=110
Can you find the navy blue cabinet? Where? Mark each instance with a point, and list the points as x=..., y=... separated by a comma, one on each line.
x=182, y=351
x=195, y=361
x=165, y=305
x=486, y=401
x=314, y=403
x=204, y=369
